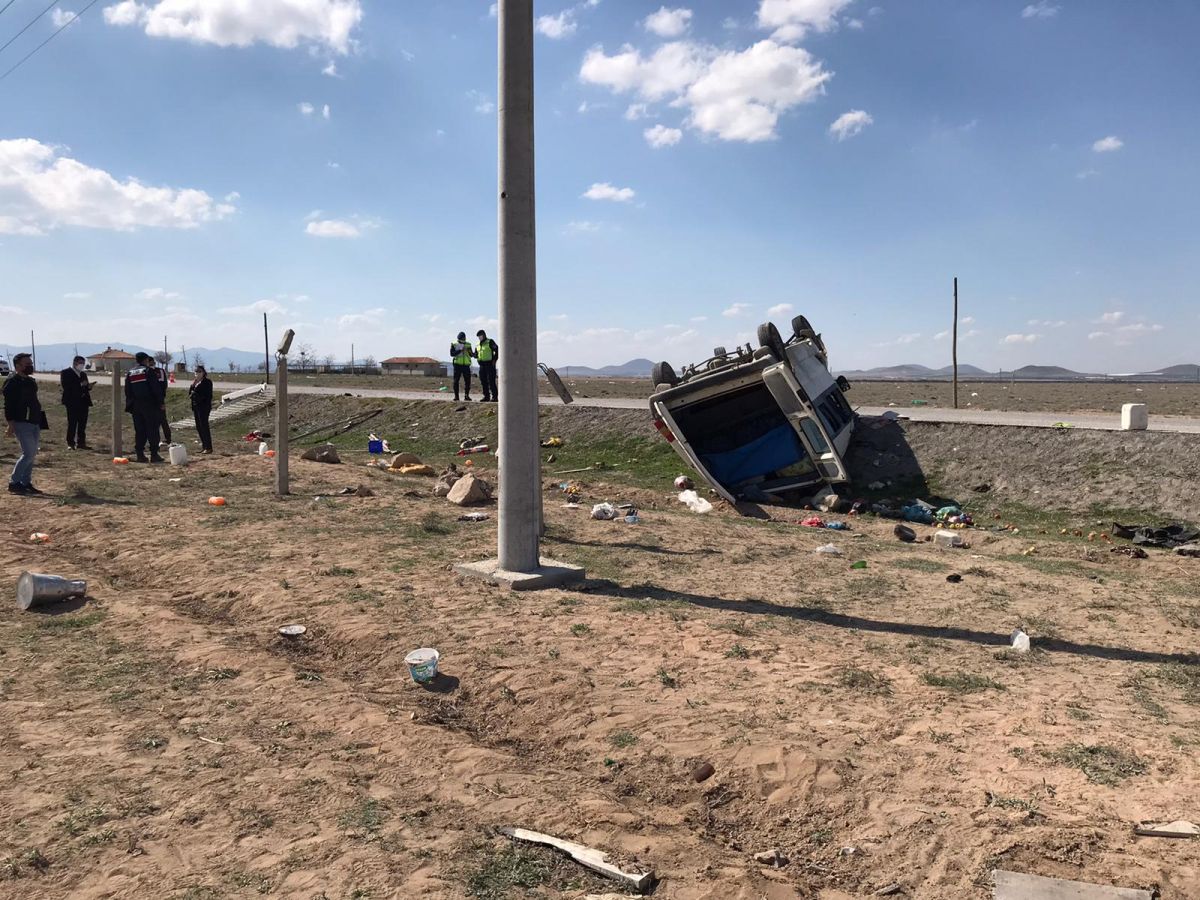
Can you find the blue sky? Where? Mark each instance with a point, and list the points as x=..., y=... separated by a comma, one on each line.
x=178, y=168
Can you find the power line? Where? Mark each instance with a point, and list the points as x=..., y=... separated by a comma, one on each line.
x=6, y=6
x=53, y=4
x=63, y=28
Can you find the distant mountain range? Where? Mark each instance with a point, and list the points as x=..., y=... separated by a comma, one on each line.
x=914, y=372
x=635, y=368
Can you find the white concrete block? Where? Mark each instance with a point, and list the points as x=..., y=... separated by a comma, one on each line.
x=1135, y=417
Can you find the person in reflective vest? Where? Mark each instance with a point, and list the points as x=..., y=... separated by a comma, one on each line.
x=461, y=355
x=487, y=353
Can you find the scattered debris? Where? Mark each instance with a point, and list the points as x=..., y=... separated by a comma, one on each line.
x=423, y=664
x=40, y=537
x=478, y=448
x=954, y=578
x=982, y=488
x=1130, y=550
x=469, y=490
x=829, y=550
x=292, y=631
x=1188, y=550
x=553, y=442
x=861, y=564
x=1017, y=886
x=888, y=890
x=604, y=511
x=404, y=459
x=1019, y=641
x=1148, y=536
x=772, y=858
x=585, y=856
x=1179, y=829
x=120, y=460
x=446, y=481
x=216, y=501
x=474, y=517
x=361, y=491
x=34, y=588
x=695, y=502
x=949, y=539
x=703, y=772
x=323, y=453
x=683, y=483
x=904, y=533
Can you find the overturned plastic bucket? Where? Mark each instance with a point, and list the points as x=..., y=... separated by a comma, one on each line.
x=34, y=589
x=423, y=664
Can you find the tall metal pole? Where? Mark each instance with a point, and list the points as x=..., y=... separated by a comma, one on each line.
x=519, y=460
x=266, y=350
x=281, y=425
x=33, y=349
x=118, y=407
x=954, y=351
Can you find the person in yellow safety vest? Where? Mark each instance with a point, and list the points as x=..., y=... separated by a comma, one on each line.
x=487, y=353
x=461, y=355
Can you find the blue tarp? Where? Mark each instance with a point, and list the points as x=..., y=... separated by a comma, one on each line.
x=777, y=449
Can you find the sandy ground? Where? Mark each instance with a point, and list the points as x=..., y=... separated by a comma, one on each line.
x=160, y=740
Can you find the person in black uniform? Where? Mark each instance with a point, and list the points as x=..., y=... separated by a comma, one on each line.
x=201, y=393
x=143, y=401
x=161, y=373
x=76, y=397
x=487, y=352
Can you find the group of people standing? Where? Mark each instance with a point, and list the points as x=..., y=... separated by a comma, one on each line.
x=487, y=353
x=145, y=401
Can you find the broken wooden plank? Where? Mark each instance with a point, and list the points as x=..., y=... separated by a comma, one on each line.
x=1017, y=886
x=585, y=856
x=1180, y=829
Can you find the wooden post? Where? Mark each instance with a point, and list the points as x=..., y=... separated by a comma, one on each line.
x=954, y=350
x=281, y=425
x=118, y=407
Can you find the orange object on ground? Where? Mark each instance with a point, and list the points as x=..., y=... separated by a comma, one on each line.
x=40, y=537
x=270, y=453
x=120, y=460
x=216, y=501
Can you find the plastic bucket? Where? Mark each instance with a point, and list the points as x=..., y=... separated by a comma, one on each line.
x=374, y=446
x=262, y=448
x=34, y=589
x=423, y=664
x=178, y=454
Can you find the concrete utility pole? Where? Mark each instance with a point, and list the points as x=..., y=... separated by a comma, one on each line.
x=118, y=407
x=281, y=423
x=954, y=351
x=519, y=564
x=266, y=351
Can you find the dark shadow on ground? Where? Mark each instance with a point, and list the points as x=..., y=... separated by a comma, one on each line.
x=441, y=684
x=879, y=452
x=74, y=604
x=86, y=499
x=629, y=545
x=858, y=623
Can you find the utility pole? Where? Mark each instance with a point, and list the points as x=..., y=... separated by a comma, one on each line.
x=33, y=349
x=165, y=353
x=118, y=406
x=281, y=415
x=266, y=350
x=518, y=564
x=351, y=359
x=954, y=351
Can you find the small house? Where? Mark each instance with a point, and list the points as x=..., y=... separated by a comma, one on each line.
x=413, y=365
x=103, y=362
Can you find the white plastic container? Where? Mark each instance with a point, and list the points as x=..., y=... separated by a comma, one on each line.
x=178, y=454
x=423, y=664
x=948, y=539
x=263, y=448
x=1135, y=417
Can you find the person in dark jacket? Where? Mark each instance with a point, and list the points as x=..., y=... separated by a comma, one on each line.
x=76, y=397
x=25, y=418
x=201, y=393
x=487, y=352
x=160, y=373
x=143, y=401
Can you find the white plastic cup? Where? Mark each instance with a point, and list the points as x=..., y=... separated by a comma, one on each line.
x=423, y=664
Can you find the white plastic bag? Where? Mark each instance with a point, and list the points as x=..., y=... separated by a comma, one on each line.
x=604, y=511
x=695, y=502
x=829, y=550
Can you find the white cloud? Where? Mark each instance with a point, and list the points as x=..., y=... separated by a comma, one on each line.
x=781, y=309
x=848, y=124
x=737, y=309
x=354, y=227
x=156, y=294
x=333, y=165
x=1085, y=174
x=1020, y=338
x=582, y=226
x=306, y=108
x=1140, y=328
x=1047, y=323
x=1111, y=318
x=636, y=111
x=271, y=307
x=41, y=190
x=856, y=24
x=557, y=27
x=668, y=23
x=1042, y=9
x=1098, y=335
x=901, y=340
x=60, y=17
x=238, y=23
x=78, y=295
x=792, y=19
x=367, y=317
x=941, y=335
x=698, y=319
x=660, y=136
x=735, y=95
x=967, y=320
x=605, y=191
x=325, y=112
x=1108, y=144
x=331, y=70
x=483, y=104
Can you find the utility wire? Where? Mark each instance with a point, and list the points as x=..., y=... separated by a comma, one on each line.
x=6, y=6
x=53, y=4
x=63, y=28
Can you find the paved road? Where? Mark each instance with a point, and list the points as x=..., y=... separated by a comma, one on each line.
x=1092, y=421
